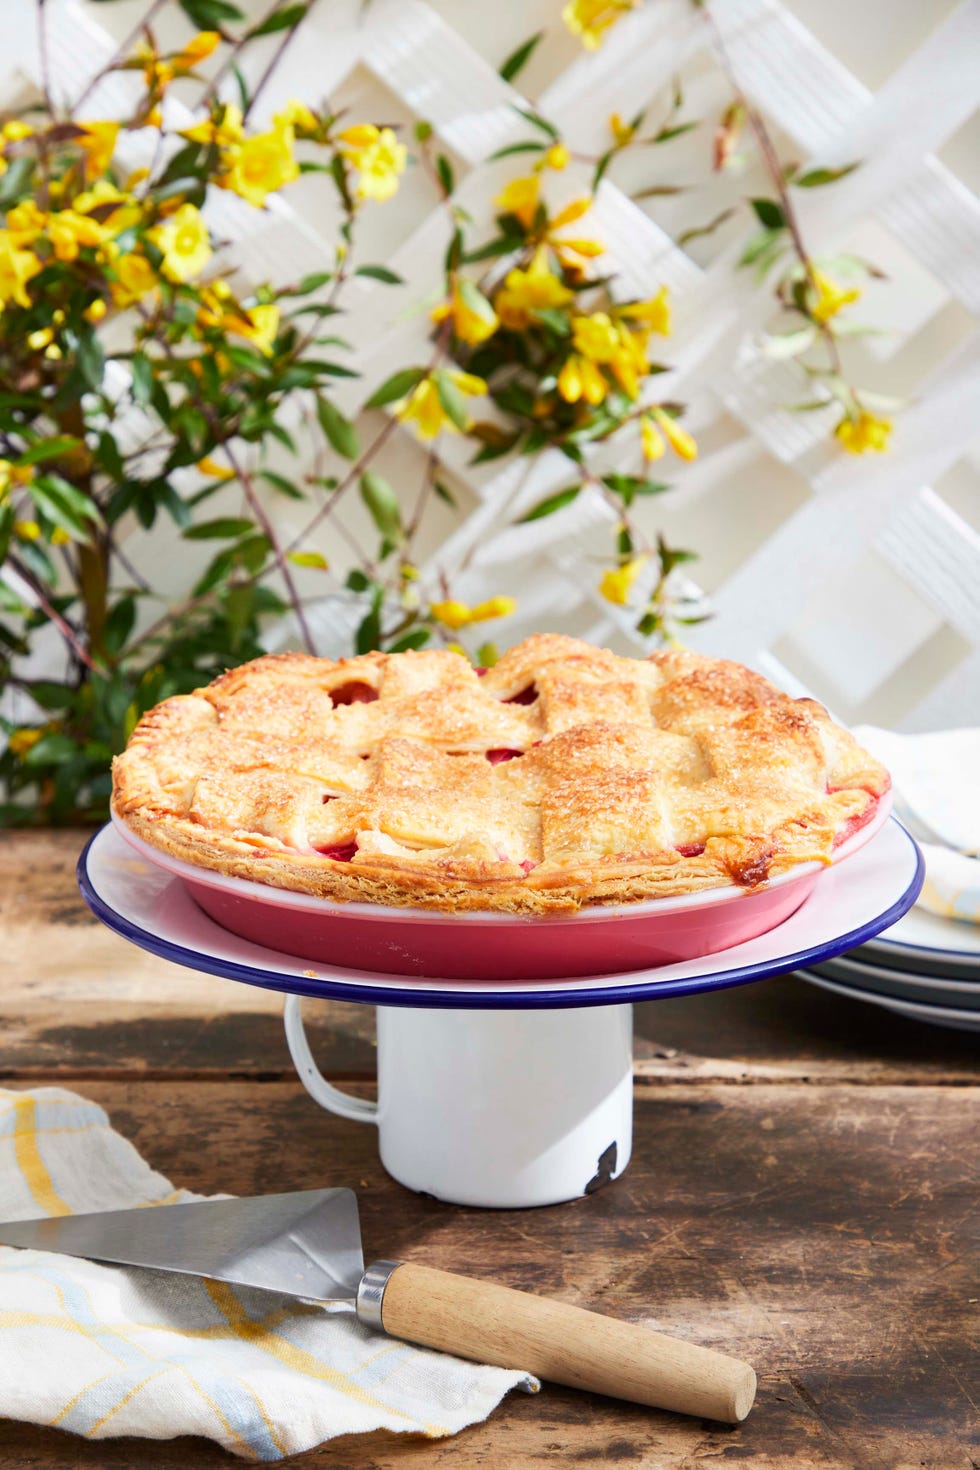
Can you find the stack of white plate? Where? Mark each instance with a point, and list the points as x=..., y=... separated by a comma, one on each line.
x=924, y=966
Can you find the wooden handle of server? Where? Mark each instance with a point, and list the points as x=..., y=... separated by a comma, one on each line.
x=512, y=1329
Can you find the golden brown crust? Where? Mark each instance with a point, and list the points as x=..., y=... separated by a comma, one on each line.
x=565, y=776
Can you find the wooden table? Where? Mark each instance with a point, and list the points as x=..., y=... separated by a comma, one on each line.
x=802, y=1193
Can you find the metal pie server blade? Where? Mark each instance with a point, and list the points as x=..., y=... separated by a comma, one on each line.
x=306, y=1243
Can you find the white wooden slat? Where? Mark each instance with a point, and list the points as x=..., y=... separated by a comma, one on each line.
x=938, y=554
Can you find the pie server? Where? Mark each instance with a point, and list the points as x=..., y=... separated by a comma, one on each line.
x=308, y=1244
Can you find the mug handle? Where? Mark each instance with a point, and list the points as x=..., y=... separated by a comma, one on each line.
x=358, y=1109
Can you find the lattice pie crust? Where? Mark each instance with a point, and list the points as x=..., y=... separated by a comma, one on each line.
x=563, y=776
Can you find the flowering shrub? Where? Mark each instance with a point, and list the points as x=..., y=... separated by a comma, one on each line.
x=141, y=381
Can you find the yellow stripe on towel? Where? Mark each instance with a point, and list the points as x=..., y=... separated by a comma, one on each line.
x=29, y=1160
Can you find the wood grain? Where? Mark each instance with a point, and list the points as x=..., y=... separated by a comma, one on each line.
x=802, y=1194
x=825, y=1235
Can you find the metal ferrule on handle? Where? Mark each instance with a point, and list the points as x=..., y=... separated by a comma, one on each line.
x=513, y=1329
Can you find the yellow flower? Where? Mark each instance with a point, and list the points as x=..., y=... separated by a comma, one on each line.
x=25, y=222
x=16, y=131
x=212, y=468
x=41, y=338
x=474, y=319
x=225, y=131
x=27, y=530
x=679, y=439
x=261, y=327
x=98, y=143
x=25, y=739
x=104, y=192
x=135, y=276
x=96, y=310
x=520, y=198
x=590, y=19
x=654, y=313
x=196, y=51
x=524, y=292
x=595, y=337
x=652, y=441
x=424, y=407
x=261, y=165
x=863, y=433
x=567, y=249
x=453, y=614
x=831, y=297
x=622, y=132
x=60, y=537
x=16, y=269
x=69, y=231
x=557, y=157
x=184, y=243
x=581, y=378
x=380, y=167
x=296, y=115
x=617, y=583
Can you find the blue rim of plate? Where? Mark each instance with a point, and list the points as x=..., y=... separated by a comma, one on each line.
x=582, y=995
x=900, y=946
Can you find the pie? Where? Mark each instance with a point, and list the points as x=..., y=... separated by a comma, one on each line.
x=563, y=776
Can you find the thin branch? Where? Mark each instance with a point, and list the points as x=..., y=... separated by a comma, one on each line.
x=275, y=59
x=45, y=56
x=65, y=628
x=119, y=55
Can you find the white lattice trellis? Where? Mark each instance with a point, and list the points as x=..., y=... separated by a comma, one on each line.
x=857, y=577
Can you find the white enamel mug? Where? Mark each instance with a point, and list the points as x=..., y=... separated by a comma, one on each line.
x=499, y=1108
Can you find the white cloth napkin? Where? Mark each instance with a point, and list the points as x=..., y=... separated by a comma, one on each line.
x=937, y=794
x=110, y=1350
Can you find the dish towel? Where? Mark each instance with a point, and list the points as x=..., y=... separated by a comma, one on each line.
x=112, y=1350
x=937, y=796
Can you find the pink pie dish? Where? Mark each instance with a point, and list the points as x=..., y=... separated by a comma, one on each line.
x=491, y=946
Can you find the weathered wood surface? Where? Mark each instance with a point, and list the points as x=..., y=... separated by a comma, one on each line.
x=822, y=1233
x=802, y=1193
x=78, y=1001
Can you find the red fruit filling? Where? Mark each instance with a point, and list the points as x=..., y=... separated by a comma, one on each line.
x=527, y=865
x=855, y=823
x=690, y=849
x=357, y=692
x=526, y=696
x=496, y=756
x=327, y=798
x=479, y=672
x=341, y=854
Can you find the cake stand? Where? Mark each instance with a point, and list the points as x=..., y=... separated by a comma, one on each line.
x=504, y=1093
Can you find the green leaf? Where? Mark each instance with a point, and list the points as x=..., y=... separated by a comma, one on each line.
x=816, y=177
x=210, y=15
x=368, y=635
x=761, y=248
x=314, y=559
x=340, y=432
x=417, y=638
x=357, y=581
x=90, y=358
x=221, y=529
x=280, y=483
x=51, y=750
x=63, y=505
x=382, y=502
x=119, y=624
x=48, y=449
x=537, y=121
x=513, y=148
x=142, y=370
x=399, y=385
x=769, y=213
x=699, y=232
x=789, y=344
x=628, y=487
x=518, y=59
x=444, y=493
x=677, y=131
x=551, y=503
x=487, y=655
x=452, y=400
x=445, y=171
x=16, y=181
x=280, y=20
x=380, y=273
x=311, y=282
